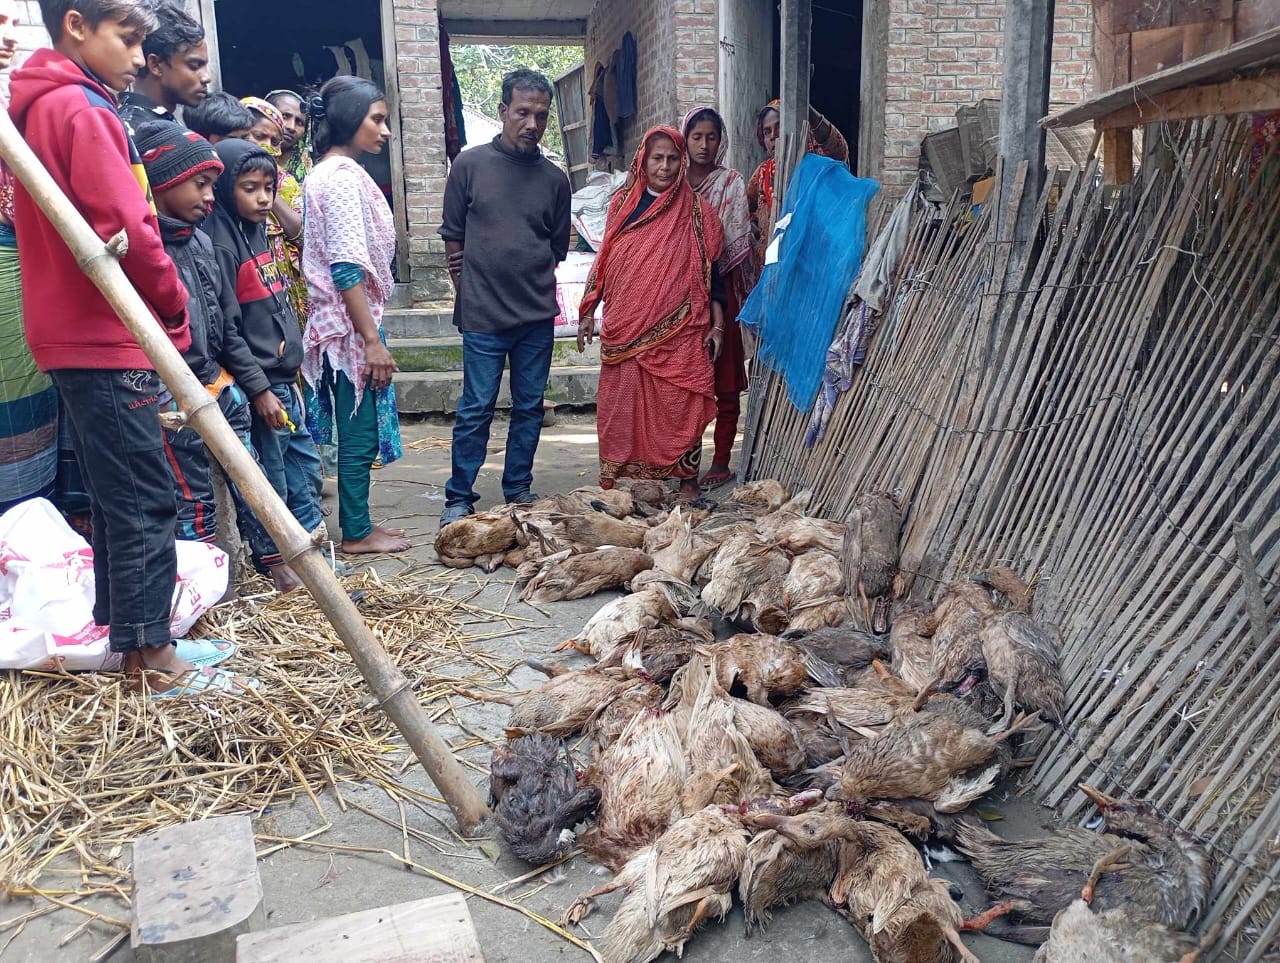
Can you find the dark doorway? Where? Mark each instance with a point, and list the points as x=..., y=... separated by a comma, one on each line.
x=298, y=45
x=836, y=54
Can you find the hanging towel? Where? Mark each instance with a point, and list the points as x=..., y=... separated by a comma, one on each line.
x=812, y=260
x=626, y=64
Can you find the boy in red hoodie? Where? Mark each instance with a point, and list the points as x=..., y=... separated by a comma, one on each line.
x=63, y=102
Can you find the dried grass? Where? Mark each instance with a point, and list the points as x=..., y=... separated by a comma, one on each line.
x=89, y=767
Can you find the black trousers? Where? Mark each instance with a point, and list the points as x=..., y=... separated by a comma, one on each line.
x=119, y=443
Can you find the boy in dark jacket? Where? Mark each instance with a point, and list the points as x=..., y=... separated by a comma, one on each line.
x=182, y=167
x=63, y=103
x=243, y=195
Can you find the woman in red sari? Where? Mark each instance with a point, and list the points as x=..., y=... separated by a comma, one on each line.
x=825, y=139
x=663, y=320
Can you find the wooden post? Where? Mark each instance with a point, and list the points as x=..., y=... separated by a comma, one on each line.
x=1117, y=155
x=394, y=694
x=1024, y=100
x=391, y=82
x=797, y=25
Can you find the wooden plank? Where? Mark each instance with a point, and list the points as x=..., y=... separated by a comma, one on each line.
x=1111, y=59
x=797, y=26
x=1155, y=50
x=1185, y=12
x=195, y=890
x=873, y=89
x=1255, y=17
x=205, y=12
x=1206, y=100
x=1199, y=39
x=399, y=194
x=1211, y=67
x=1130, y=16
x=435, y=930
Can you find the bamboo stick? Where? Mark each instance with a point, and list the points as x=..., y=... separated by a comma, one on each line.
x=387, y=683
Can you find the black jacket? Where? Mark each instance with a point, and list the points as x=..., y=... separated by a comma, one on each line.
x=267, y=320
x=216, y=341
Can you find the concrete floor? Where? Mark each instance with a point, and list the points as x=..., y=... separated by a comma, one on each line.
x=308, y=884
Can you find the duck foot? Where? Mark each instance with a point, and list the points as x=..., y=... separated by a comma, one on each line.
x=963, y=951
x=1109, y=863
x=985, y=919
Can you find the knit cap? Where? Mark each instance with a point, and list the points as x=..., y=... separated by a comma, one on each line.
x=172, y=154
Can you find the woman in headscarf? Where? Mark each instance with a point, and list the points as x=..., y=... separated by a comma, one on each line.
x=725, y=191
x=351, y=241
x=295, y=143
x=824, y=139
x=284, y=227
x=664, y=320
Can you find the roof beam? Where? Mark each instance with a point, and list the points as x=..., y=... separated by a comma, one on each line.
x=566, y=32
x=1260, y=95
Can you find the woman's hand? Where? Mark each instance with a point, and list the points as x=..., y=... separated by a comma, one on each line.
x=269, y=409
x=586, y=333
x=379, y=364
x=713, y=342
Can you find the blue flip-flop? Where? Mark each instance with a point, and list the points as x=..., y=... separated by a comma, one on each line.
x=205, y=653
x=198, y=682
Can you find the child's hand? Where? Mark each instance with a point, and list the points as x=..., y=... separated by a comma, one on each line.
x=269, y=409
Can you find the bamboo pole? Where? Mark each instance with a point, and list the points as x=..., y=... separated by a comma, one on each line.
x=394, y=694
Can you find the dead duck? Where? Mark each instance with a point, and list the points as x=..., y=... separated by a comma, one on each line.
x=686, y=551
x=1081, y=935
x=761, y=668
x=564, y=704
x=779, y=871
x=649, y=495
x=917, y=758
x=618, y=619
x=759, y=497
x=1139, y=864
x=881, y=886
x=819, y=740
x=814, y=579
x=764, y=609
x=877, y=701
x=912, y=657
x=640, y=778
x=741, y=566
x=536, y=799
x=670, y=887
x=577, y=576
x=656, y=653
x=1021, y=652
x=846, y=651
x=683, y=596
x=478, y=539
x=596, y=529
x=955, y=626
x=797, y=534
x=870, y=556
x=638, y=696
x=775, y=741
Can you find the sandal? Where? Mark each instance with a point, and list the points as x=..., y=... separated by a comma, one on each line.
x=716, y=478
x=204, y=653
x=197, y=682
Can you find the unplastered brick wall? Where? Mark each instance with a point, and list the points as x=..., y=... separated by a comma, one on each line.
x=417, y=30
x=675, y=57
x=942, y=56
x=31, y=37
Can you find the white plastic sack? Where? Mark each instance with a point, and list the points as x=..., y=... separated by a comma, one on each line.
x=47, y=591
x=571, y=285
x=589, y=206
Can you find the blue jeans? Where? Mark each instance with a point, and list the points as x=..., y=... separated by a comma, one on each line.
x=289, y=459
x=483, y=357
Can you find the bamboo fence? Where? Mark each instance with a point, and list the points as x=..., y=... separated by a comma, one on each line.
x=1107, y=423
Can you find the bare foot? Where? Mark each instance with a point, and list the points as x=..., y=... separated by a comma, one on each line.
x=156, y=669
x=284, y=577
x=376, y=543
x=690, y=489
x=393, y=532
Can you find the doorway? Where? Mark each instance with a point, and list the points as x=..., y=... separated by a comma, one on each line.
x=836, y=57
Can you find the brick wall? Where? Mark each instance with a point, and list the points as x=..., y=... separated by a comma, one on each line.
x=945, y=55
x=417, y=32
x=676, y=47
x=31, y=36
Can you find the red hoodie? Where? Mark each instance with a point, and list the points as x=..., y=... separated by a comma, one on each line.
x=70, y=121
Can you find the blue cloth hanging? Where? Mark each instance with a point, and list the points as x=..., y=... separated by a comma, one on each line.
x=813, y=259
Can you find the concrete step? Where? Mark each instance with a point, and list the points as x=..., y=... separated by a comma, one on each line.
x=445, y=354
x=401, y=297
x=437, y=392
x=430, y=322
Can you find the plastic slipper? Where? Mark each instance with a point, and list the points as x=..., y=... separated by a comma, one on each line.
x=205, y=652
x=714, y=479
x=197, y=682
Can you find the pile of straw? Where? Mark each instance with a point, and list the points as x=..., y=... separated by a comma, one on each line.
x=89, y=767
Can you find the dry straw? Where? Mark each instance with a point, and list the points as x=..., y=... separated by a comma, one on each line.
x=88, y=767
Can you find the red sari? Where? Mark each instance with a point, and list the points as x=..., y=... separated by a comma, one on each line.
x=657, y=386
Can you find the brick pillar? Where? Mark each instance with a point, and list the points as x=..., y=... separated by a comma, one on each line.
x=417, y=33
x=695, y=26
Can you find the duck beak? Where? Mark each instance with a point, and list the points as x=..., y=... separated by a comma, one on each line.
x=1099, y=799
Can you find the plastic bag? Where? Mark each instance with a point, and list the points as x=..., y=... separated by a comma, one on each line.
x=47, y=592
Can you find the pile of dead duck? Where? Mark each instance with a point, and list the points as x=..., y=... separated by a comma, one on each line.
x=805, y=757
